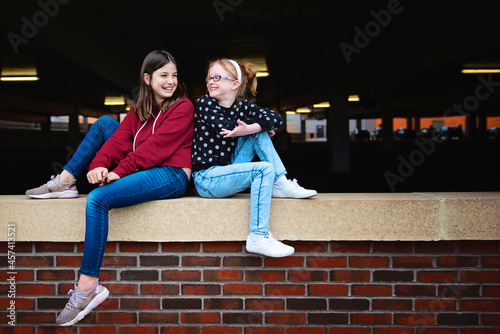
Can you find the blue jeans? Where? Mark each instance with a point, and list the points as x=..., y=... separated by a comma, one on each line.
x=152, y=184
x=225, y=181
x=148, y=185
x=98, y=133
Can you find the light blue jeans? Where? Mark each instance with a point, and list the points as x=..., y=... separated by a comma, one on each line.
x=225, y=181
x=152, y=184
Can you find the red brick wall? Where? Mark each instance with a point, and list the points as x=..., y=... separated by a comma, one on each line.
x=216, y=287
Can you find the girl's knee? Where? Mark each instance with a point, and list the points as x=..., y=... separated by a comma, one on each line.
x=105, y=121
x=266, y=167
x=260, y=137
x=96, y=198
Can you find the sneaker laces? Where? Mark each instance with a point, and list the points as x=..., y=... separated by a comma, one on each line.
x=74, y=300
x=56, y=181
x=52, y=182
x=270, y=238
x=294, y=183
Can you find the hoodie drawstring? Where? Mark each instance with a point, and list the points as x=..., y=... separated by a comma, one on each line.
x=154, y=124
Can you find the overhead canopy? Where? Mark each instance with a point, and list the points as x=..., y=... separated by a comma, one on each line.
x=400, y=55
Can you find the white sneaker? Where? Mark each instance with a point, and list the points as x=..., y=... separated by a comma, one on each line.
x=269, y=247
x=292, y=190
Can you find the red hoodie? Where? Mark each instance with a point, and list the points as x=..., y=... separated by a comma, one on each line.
x=169, y=145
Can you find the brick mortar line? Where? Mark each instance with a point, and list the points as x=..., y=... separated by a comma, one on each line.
x=279, y=297
x=296, y=254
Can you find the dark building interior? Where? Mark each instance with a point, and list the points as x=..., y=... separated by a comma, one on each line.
x=402, y=58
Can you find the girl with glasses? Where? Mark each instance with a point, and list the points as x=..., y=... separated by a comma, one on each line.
x=229, y=131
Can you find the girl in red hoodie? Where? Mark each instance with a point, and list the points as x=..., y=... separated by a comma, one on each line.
x=146, y=157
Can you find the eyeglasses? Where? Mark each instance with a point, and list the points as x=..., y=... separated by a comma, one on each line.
x=216, y=78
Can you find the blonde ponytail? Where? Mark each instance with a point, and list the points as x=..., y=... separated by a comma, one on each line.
x=251, y=78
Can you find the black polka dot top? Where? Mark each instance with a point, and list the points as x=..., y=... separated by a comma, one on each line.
x=209, y=147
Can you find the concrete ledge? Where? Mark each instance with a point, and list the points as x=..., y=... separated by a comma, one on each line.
x=387, y=216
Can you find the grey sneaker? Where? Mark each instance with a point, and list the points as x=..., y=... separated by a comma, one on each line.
x=81, y=303
x=54, y=189
x=269, y=247
x=292, y=190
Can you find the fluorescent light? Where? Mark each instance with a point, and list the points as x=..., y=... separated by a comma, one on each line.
x=259, y=63
x=353, y=98
x=114, y=101
x=480, y=70
x=19, y=68
x=303, y=110
x=322, y=105
x=19, y=74
x=290, y=112
x=19, y=78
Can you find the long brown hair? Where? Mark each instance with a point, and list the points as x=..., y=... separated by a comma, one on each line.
x=145, y=101
x=248, y=82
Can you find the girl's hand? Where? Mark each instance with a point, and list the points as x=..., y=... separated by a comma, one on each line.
x=110, y=177
x=97, y=175
x=271, y=133
x=243, y=129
